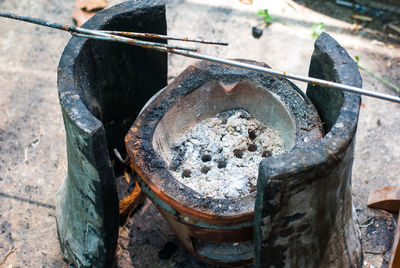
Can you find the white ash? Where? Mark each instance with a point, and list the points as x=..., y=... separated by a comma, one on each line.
x=219, y=157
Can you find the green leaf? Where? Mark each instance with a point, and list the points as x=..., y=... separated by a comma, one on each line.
x=317, y=29
x=266, y=16
x=357, y=58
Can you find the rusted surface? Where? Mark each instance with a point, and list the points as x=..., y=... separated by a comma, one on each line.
x=167, y=37
x=388, y=198
x=204, y=215
x=188, y=236
x=395, y=252
x=130, y=202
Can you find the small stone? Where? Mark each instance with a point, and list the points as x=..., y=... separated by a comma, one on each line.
x=221, y=164
x=205, y=169
x=252, y=147
x=186, y=173
x=257, y=32
x=206, y=157
x=266, y=153
x=238, y=153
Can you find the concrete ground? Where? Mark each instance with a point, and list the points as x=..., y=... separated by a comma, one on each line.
x=32, y=146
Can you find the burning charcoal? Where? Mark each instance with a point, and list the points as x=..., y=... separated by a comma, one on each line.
x=221, y=164
x=266, y=153
x=238, y=153
x=186, y=173
x=252, y=134
x=252, y=148
x=206, y=157
x=205, y=169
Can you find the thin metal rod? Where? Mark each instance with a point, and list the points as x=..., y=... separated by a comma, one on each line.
x=73, y=29
x=167, y=37
x=45, y=23
x=131, y=41
x=95, y=34
x=311, y=80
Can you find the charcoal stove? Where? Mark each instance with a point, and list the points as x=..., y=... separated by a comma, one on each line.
x=302, y=215
x=216, y=230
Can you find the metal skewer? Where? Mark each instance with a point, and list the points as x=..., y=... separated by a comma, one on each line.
x=96, y=34
x=167, y=37
x=78, y=30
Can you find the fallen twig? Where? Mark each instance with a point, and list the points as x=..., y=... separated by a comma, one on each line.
x=362, y=18
x=373, y=252
x=7, y=255
x=366, y=225
x=394, y=27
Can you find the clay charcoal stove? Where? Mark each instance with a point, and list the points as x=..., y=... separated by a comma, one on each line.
x=302, y=208
x=216, y=123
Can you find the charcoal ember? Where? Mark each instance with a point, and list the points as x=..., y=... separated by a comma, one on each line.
x=252, y=148
x=238, y=153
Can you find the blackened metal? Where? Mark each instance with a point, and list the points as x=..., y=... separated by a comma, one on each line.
x=92, y=34
x=167, y=37
x=320, y=230
x=129, y=41
x=98, y=106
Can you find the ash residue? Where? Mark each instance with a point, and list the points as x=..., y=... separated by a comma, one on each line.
x=219, y=157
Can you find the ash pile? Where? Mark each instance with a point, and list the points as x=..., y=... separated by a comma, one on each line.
x=219, y=157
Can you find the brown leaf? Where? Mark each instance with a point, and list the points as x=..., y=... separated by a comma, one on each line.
x=91, y=5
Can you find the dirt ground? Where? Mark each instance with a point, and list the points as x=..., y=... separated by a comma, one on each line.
x=32, y=137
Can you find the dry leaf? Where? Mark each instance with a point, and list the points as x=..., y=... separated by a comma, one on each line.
x=91, y=5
